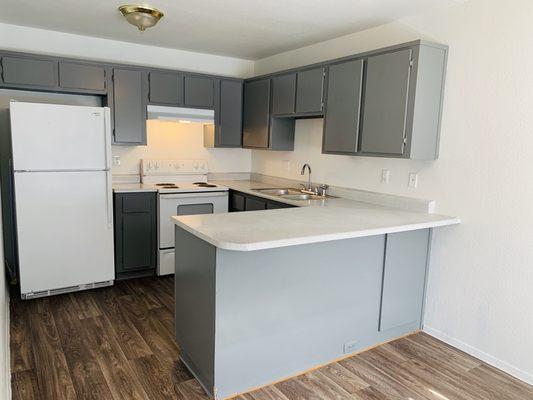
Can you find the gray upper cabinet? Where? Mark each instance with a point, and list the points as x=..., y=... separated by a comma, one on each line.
x=199, y=92
x=29, y=72
x=283, y=94
x=385, y=104
x=343, y=107
x=310, y=91
x=165, y=88
x=82, y=77
x=229, y=114
x=129, y=107
x=256, y=114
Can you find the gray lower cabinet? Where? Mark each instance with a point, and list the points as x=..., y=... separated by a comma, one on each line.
x=260, y=129
x=129, y=107
x=385, y=104
x=310, y=91
x=343, y=107
x=199, y=92
x=404, y=278
x=229, y=110
x=239, y=201
x=29, y=72
x=283, y=94
x=135, y=234
x=165, y=88
x=82, y=77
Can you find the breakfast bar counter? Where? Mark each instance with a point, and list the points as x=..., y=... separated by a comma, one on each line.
x=262, y=296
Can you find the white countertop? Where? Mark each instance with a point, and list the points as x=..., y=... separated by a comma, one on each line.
x=315, y=221
x=132, y=187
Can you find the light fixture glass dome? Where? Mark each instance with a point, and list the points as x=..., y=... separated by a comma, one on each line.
x=141, y=16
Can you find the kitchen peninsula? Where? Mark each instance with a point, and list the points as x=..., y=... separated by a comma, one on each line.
x=262, y=296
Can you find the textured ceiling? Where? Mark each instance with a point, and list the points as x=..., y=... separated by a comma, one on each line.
x=241, y=28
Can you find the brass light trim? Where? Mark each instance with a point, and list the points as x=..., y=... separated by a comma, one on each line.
x=141, y=16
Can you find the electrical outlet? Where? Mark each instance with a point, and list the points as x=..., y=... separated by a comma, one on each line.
x=286, y=165
x=413, y=180
x=350, y=347
x=116, y=161
x=385, y=176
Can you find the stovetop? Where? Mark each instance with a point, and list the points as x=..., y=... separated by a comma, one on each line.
x=182, y=187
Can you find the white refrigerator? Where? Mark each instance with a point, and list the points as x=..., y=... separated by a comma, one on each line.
x=63, y=197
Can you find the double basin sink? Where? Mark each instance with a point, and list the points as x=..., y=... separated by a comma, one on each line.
x=291, y=194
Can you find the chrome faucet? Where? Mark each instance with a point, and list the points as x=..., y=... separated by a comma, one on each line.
x=309, y=188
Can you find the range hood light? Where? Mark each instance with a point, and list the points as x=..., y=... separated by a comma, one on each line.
x=181, y=114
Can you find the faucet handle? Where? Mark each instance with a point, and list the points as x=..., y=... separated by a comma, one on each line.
x=322, y=189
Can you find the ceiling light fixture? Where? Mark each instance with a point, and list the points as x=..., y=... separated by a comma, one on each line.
x=141, y=16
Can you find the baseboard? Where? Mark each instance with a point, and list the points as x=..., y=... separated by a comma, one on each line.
x=7, y=368
x=485, y=357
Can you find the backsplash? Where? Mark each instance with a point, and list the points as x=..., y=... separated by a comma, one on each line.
x=178, y=140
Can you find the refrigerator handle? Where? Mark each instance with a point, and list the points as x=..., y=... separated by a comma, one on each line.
x=107, y=137
x=109, y=198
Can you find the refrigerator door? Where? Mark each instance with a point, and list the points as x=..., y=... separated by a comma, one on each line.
x=51, y=137
x=64, y=228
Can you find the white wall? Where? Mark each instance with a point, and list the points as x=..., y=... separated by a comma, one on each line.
x=480, y=291
x=177, y=140
x=20, y=38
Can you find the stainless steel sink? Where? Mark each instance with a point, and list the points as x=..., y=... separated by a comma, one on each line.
x=278, y=192
x=303, y=196
x=290, y=194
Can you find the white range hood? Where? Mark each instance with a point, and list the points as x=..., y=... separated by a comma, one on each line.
x=181, y=114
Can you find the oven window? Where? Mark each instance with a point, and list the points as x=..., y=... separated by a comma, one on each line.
x=192, y=209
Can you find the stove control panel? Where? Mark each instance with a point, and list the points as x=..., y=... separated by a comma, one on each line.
x=173, y=167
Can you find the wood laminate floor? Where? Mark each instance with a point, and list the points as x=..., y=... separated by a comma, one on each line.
x=117, y=343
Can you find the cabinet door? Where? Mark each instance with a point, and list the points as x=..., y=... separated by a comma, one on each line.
x=341, y=122
x=199, y=92
x=310, y=91
x=404, y=278
x=236, y=201
x=271, y=205
x=129, y=108
x=28, y=71
x=283, y=94
x=256, y=114
x=385, y=103
x=135, y=232
x=82, y=76
x=254, y=204
x=230, y=114
x=166, y=88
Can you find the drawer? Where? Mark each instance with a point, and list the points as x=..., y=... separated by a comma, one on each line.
x=137, y=202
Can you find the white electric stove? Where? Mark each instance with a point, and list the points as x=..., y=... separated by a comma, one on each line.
x=183, y=189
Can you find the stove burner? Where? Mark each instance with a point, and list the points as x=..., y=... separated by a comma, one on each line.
x=204, y=184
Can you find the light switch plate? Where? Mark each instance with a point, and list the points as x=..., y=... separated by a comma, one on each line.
x=385, y=176
x=413, y=180
x=286, y=165
x=116, y=161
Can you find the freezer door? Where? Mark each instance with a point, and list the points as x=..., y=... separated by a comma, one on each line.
x=58, y=137
x=64, y=227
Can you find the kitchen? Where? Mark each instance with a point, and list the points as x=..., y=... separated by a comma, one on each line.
x=322, y=185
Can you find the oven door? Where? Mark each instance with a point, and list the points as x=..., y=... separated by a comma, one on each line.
x=186, y=204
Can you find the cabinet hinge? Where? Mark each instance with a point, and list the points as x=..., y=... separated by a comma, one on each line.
x=411, y=63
